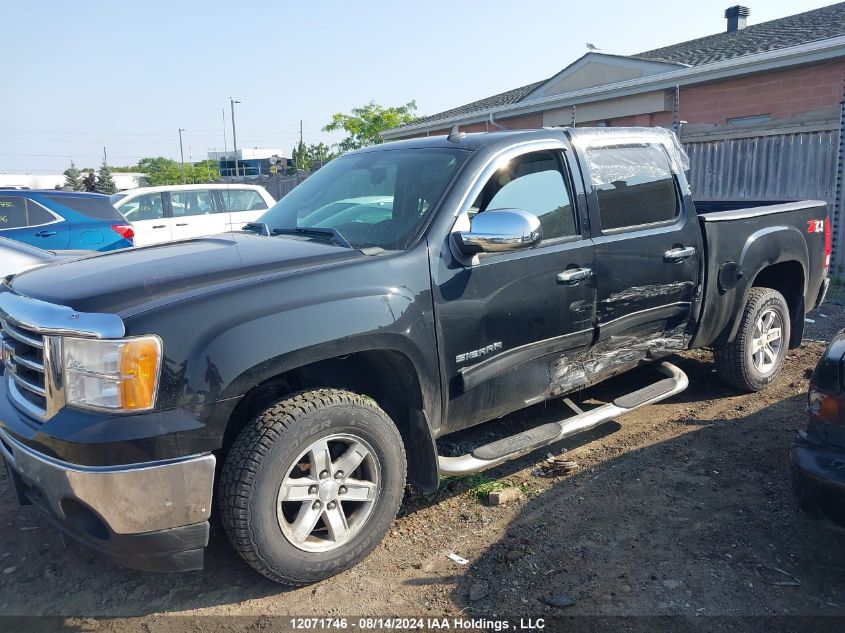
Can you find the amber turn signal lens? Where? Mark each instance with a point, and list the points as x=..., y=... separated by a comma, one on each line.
x=139, y=362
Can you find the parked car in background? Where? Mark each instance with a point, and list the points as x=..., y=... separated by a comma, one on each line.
x=818, y=454
x=16, y=257
x=174, y=212
x=63, y=220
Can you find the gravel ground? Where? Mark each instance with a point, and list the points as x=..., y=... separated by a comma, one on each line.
x=681, y=508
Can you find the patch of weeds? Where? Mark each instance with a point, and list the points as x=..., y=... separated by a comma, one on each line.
x=480, y=485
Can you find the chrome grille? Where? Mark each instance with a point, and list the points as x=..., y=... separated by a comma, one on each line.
x=23, y=352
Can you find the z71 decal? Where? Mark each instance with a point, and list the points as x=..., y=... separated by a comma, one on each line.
x=815, y=226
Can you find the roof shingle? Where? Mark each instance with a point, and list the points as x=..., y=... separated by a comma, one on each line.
x=792, y=30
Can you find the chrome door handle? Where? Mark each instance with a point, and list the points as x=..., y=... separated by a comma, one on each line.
x=574, y=276
x=678, y=254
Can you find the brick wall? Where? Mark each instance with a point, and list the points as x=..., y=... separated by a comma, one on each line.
x=782, y=94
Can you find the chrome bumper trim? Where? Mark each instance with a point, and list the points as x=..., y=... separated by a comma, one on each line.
x=130, y=498
x=49, y=318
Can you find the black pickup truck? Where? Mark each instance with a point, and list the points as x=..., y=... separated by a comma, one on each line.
x=298, y=373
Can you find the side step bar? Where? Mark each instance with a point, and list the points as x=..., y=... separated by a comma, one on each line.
x=517, y=445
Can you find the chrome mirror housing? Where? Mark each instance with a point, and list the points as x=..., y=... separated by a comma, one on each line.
x=500, y=230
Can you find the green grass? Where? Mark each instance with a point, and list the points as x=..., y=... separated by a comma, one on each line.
x=480, y=485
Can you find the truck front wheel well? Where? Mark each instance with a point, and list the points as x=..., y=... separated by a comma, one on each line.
x=386, y=376
x=788, y=279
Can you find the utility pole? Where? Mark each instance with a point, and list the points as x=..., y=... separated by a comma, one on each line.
x=232, y=103
x=182, y=153
x=300, y=131
x=224, y=130
x=105, y=156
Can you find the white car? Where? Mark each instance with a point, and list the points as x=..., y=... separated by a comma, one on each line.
x=175, y=212
x=16, y=257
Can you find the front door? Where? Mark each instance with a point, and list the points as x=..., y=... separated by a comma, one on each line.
x=647, y=255
x=507, y=320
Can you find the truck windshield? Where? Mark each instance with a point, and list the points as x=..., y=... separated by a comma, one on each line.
x=374, y=199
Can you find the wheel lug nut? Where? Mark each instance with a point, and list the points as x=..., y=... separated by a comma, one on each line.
x=331, y=505
x=338, y=474
x=324, y=474
x=317, y=505
x=341, y=490
x=312, y=490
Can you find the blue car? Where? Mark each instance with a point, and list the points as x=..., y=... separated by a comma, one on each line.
x=63, y=220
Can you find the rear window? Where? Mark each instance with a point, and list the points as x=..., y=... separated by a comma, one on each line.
x=12, y=212
x=634, y=185
x=97, y=208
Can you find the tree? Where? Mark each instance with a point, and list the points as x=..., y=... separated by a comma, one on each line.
x=105, y=182
x=365, y=124
x=89, y=181
x=160, y=171
x=73, y=178
x=203, y=171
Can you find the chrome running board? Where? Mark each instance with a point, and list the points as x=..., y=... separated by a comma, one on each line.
x=509, y=448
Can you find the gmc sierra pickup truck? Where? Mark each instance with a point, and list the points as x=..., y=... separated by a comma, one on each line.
x=296, y=374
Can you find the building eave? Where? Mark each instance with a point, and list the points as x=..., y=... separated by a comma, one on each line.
x=747, y=64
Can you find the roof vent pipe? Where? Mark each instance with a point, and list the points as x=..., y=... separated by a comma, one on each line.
x=737, y=17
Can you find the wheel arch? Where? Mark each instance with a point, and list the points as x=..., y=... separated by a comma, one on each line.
x=388, y=376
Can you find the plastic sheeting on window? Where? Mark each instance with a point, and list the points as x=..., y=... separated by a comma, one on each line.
x=587, y=138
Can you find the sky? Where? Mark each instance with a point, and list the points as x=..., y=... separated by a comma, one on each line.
x=81, y=76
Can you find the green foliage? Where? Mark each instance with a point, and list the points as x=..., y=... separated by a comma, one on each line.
x=105, y=182
x=480, y=485
x=165, y=171
x=73, y=178
x=309, y=157
x=365, y=124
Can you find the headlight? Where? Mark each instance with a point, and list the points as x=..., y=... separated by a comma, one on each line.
x=115, y=375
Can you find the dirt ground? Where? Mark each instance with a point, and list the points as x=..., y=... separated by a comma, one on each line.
x=680, y=508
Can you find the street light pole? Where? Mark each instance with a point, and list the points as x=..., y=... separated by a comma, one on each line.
x=182, y=153
x=232, y=103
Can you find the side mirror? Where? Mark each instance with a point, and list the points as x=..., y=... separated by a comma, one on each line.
x=500, y=230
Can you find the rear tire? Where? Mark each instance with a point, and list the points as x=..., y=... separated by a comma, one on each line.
x=755, y=357
x=312, y=484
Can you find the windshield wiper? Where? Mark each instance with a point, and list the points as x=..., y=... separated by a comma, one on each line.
x=314, y=231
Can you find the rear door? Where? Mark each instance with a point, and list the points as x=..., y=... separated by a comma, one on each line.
x=27, y=221
x=647, y=254
x=149, y=218
x=196, y=213
x=242, y=206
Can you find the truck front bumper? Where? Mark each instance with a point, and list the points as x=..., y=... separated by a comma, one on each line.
x=150, y=516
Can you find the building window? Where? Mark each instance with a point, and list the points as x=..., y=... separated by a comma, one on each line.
x=757, y=119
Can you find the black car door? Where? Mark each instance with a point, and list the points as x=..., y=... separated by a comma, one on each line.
x=647, y=255
x=505, y=320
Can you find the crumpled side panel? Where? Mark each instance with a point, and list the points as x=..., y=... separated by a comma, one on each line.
x=573, y=371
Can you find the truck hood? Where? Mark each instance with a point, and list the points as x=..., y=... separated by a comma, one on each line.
x=127, y=282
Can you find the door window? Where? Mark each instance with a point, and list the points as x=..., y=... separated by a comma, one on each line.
x=38, y=215
x=242, y=200
x=634, y=185
x=12, y=212
x=534, y=183
x=186, y=203
x=148, y=206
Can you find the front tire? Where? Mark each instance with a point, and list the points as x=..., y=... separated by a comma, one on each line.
x=756, y=356
x=312, y=484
